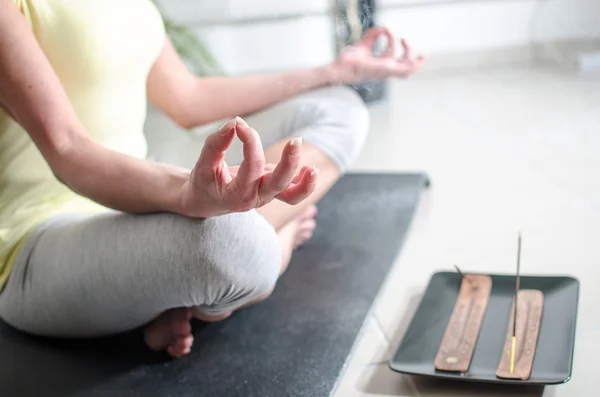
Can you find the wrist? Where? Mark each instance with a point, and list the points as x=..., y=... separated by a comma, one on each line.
x=175, y=192
x=330, y=74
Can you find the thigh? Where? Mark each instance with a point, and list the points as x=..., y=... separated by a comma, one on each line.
x=81, y=275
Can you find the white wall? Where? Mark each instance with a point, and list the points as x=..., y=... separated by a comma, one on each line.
x=304, y=36
x=272, y=45
x=196, y=12
x=288, y=34
x=480, y=25
x=558, y=19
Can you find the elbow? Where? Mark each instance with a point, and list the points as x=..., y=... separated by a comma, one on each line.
x=62, y=164
x=62, y=168
x=176, y=111
x=64, y=155
x=183, y=120
x=185, y=106
x=188, y=119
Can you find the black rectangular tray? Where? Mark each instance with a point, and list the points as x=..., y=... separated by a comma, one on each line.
x=554, y=354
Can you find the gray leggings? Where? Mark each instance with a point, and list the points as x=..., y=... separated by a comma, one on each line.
x=94, y=275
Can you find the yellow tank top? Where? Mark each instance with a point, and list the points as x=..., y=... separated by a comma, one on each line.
x=102, y=51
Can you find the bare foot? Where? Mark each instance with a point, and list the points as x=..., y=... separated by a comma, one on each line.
x=296, y=233
x=171, y=332
x=301, y=229
x=209, y=318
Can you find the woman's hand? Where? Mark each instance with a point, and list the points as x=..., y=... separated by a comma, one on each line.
x=357, y=64
x=215, y=189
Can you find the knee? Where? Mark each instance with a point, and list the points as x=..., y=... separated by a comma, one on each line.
x=253, y=258
x=342, y=124
x=243, y=256
x=357, y=122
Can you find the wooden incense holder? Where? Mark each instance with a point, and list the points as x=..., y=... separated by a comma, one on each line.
x=529, y=316
x=460, y=338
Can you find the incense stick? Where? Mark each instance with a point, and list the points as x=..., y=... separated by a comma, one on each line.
x=462, y=275
x=517, y=286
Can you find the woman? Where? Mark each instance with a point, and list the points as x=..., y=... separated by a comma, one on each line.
x=94, y=238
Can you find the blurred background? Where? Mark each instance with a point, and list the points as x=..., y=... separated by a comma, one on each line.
x=247, y=36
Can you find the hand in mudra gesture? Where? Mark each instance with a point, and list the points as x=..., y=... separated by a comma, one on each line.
x=356, y=63
x=216, y=189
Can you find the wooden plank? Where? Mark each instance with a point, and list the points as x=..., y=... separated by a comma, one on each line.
x=456, y=350
x=530, y=306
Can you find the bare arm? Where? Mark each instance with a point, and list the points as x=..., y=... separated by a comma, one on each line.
x=192, y=101
x=32, y=94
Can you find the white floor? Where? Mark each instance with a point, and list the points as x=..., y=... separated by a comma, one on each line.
x=507, y=150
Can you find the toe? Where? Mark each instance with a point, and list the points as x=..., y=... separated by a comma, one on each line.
x=307, y=235
x=181, y=346
x=311, y=212
x=302, y=237
x=309, y=224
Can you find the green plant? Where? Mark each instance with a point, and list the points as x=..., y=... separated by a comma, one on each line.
x=191, y=49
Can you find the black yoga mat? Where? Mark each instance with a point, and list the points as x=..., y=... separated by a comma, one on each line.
x=293, y=344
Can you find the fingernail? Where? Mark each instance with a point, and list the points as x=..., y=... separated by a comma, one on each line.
x=228, y=126
x=241, y=121
x=315, y=173
x=295, y=145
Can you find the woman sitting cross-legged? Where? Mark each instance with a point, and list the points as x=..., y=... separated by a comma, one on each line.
x=95, y=239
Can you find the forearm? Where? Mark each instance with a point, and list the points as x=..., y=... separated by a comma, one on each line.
x=119, y=181
x=190, y=100
x=216, y=98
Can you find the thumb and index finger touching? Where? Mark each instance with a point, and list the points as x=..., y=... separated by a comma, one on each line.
x=281, y=179
x=216, y=144
x=373, y=34
x=275, y=181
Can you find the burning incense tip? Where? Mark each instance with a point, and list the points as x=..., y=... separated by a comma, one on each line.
x=512, y=355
